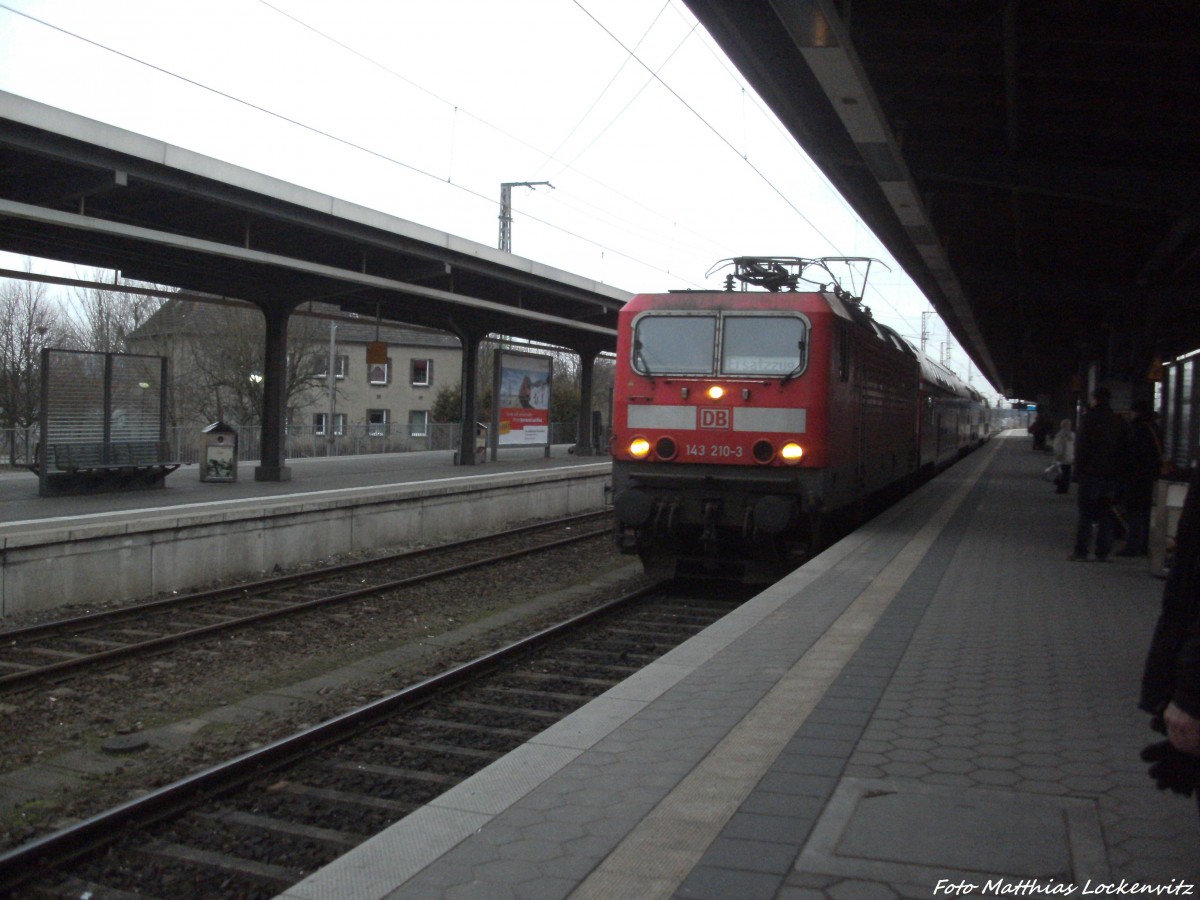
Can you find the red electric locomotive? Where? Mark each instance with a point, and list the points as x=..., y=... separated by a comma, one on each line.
x=748, y=425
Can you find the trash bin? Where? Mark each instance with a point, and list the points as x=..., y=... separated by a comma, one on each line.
x=481, y=445
x=481, y=442
x=218, y=453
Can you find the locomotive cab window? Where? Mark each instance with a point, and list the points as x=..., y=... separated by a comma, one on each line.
x=775, y=346
x=674, y=345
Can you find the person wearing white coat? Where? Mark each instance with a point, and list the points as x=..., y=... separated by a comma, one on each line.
x=1064, y=455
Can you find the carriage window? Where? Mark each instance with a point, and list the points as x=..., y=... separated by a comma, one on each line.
x=764, y=345
x=674, y=345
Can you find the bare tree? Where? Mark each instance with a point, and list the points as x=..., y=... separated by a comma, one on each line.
x=28, y=322
x=103, y=318
x=568, y=379
x=217, y=358
x=307, y=362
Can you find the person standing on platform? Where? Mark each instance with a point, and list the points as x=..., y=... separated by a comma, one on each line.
x=1064, y=455
x=1171, y=680
x=1041, y=429
x=1142, y=463
x=1098, y=471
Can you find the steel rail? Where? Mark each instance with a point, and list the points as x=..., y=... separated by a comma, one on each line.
x=15, y=680
x=134, y=610
x=26, y=862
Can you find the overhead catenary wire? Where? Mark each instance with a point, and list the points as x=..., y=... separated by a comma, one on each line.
x=788, y=141
x=629, y=102
x=655, y=76
x=600, y=96
x=628, y=202
x=321, y=132
x=715, y=131
x=357, y=146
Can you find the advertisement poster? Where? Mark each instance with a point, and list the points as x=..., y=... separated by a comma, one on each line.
x=219, y=463
x=524, y=399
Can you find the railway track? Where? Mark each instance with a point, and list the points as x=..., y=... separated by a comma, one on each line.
x=259, y=823
x=64, y=648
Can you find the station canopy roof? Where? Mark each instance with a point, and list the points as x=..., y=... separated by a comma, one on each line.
x=1035, y=167
x=84, y=192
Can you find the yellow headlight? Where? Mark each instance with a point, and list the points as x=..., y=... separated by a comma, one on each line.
x=716, y=392
x=639, y=447
x=791, y=452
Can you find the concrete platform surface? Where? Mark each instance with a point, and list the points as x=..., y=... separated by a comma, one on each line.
x=939, y=705
x=113, y=547
x=20, y=504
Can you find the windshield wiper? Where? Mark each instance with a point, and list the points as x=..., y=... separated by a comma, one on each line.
x=800, y=345
x=639, y=358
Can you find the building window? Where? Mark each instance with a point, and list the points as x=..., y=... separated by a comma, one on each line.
x=379, y=373
x=377, y=422
x=418, y=423
x=339, y=423
x=422, y=372
x=340, y=369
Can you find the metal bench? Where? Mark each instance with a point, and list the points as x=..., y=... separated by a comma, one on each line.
x=95, y=466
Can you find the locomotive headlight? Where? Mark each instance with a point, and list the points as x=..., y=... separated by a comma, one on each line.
x=639, y=447
x=791, y=452
x=716, y=392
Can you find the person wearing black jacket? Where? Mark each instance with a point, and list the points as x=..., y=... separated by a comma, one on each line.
x=1098, y=447
x=1171, y=680
x=1141, y=464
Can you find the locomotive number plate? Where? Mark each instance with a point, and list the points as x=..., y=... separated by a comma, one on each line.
x=713, y=451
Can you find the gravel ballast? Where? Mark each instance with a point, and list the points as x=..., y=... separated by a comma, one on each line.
x=93, y=742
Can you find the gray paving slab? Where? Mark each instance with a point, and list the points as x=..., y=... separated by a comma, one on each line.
x=677, y=734
x=881, y=828
x=1019, y=682
x=944, y=697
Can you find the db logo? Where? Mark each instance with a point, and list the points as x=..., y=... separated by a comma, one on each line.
x=716, y=419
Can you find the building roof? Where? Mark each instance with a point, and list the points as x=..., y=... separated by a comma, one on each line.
x=177, y=317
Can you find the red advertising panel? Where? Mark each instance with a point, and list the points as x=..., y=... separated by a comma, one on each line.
x=523, y=381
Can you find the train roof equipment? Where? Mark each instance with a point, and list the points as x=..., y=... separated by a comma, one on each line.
x=785, y=273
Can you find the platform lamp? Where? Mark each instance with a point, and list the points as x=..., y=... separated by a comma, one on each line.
x=256, y=379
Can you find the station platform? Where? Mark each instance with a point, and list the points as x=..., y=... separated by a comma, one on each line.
x=114, y=547
x=21, y=508
x=939, y=705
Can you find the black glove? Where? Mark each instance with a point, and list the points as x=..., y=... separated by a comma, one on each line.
x=1172, y=769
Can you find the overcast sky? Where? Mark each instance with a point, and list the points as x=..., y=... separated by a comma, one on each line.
x=662, y=160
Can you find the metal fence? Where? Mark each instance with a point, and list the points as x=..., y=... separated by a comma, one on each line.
x=19, y=445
